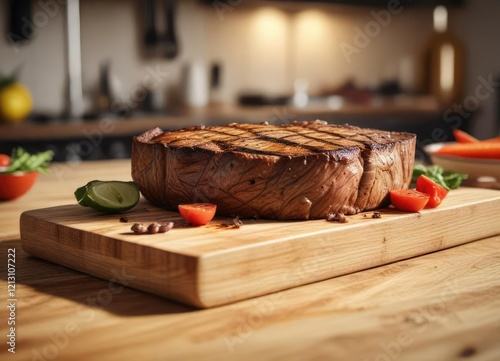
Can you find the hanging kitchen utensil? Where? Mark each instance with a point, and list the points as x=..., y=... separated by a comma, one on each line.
x=171, y=45
x=151, y=37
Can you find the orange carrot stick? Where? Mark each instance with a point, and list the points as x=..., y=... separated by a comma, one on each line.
x=492, y=140
x=464, y=137
x=490, y=150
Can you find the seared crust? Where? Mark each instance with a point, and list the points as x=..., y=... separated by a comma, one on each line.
x=297, y=171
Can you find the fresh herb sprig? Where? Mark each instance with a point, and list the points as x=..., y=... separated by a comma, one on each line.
x=22, y=161
x=448, y=180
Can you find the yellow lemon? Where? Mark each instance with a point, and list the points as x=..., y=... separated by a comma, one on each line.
x=15, y=103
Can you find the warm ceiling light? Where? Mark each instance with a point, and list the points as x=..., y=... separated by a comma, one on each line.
x=269, y=23
x=312, y=26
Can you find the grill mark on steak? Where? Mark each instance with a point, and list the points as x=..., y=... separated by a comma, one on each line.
x=302, y=148
x=326, y=137
x=348, y=134
x=338, y=136
x=257, y=140
x=292, y=140
x=335, y=135
x=220, y=139
x=255, y=133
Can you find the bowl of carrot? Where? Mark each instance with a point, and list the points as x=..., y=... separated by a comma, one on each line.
x=477, y=158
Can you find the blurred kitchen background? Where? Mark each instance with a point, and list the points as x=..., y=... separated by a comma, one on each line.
x=100, y=72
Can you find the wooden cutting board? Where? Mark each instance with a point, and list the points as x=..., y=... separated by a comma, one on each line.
x=214, y=265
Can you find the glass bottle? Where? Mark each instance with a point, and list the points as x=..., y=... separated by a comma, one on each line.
x=443, y=62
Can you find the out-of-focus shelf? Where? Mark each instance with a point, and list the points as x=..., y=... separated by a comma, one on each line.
x=60, y=129
x=215, y=115
x=484, y=182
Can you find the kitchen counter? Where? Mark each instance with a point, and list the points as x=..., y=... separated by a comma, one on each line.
x=441, y=306
x=215, y=115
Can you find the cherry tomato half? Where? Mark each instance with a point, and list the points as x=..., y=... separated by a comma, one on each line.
x=197, y=214
x=435, y=191
x=409, y=199
x=4, y=160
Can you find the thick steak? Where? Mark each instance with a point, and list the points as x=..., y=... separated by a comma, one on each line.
x=296, y=171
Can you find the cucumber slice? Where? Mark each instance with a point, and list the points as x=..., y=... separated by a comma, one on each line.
x=108, y=196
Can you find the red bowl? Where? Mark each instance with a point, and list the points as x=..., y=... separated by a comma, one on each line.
x=14, y=185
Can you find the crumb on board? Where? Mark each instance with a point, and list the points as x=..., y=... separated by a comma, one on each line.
x=337, y=217
x=234, y=222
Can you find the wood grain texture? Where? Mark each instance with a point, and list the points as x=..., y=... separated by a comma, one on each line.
x=439, y=306
x=210, y=266
x=443, y=305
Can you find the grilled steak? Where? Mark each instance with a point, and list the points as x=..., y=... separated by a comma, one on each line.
x=295, y=171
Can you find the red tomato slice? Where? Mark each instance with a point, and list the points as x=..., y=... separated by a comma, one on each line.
x=436, y=192
x=197, y=214
x=4, y=160
x=409, y=199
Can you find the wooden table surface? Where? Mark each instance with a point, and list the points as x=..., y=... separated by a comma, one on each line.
x=442, y=306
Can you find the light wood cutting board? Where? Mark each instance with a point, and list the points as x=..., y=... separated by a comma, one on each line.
x=214, y=265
